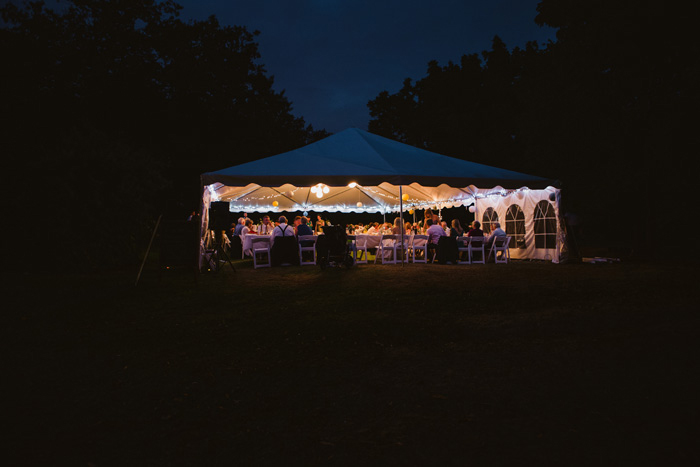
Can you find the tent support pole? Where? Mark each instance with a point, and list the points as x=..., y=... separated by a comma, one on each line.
x=402, y=224
x=148, y=250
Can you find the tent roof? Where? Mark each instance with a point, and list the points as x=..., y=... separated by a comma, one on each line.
x=354, y=155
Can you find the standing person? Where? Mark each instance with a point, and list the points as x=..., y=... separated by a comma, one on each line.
x=428, y=214
x=266, y=226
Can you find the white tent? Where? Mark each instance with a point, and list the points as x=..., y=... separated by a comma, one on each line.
x=356, y=171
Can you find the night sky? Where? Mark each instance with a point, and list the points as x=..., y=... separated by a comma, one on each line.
x=332, y=56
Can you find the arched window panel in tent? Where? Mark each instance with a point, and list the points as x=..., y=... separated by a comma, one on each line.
x=490, y=216
x=545, y=223
x=515, y=226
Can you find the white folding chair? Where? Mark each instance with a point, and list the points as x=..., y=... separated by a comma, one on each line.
x=500, y=244
x=419, y=243
x=261, y=246
x=387, y=244
x=305, y=239
x=463, y=249
x=476, y=245
x=401, y=248
x=359, y=248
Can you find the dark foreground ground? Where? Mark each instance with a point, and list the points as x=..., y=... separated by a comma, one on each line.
x=519, y=364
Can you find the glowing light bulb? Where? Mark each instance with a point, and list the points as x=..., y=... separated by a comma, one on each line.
x=352, y=185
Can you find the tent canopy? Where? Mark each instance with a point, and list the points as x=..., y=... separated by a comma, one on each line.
x=359, y=172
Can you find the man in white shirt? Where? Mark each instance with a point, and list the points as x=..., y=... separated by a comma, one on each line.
x=283, y=230
x=266, y=227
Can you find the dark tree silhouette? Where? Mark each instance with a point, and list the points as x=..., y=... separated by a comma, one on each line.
x=605, y=109
x=112, y=109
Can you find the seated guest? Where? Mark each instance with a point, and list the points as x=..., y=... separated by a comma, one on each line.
x=266, y=227
x=285, y=249
x=434, y=232
x=283, y=230
x=443, y=224
x=239, y=226
x=396, y=229
x=496, y=231
x=408, y=228
x=303, y=228
x=297, y=221
x=456, y=230
x=476, y=230
x=247, y=227
x=231, y=229
x=374, y=228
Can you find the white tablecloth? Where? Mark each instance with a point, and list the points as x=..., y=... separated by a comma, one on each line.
x=372, y=241
x=247, y=241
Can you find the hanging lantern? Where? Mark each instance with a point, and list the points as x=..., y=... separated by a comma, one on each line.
x=275, y=203
x=326, y=189
x=314, y=189
x=472, y=209
x=405, y=197
x=359, y=204
x=411, y=211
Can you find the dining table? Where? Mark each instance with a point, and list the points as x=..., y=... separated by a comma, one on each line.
x=247, y=242
x=370, y=240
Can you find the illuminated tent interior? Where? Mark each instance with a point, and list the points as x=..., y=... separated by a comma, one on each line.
x=357, y=171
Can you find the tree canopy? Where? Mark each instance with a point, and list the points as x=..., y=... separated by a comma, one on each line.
x=95, y=89
x=605, y=109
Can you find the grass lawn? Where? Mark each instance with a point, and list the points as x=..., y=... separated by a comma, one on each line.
x=522, y=364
